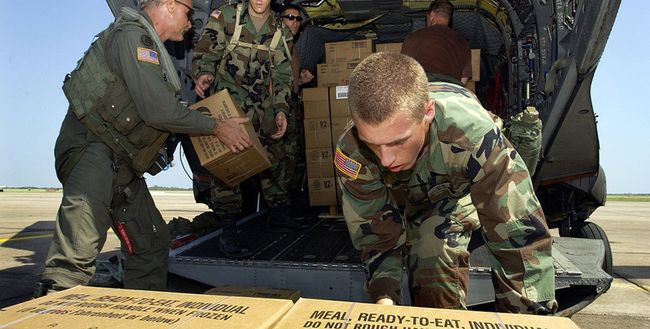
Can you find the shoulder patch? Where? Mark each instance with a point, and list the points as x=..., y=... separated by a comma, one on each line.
x=146, y=40
x=346, y=165
x=215, y=13
x=148, y=55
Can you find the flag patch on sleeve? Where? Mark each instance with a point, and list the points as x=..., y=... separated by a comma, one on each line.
x=148, y=55
x=346, y=165
x=215, y=13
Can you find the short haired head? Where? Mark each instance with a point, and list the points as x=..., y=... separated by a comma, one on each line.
x=440, y=13
x=386, y=83
x=171, y=18
x=146, y=3
x=442, y=7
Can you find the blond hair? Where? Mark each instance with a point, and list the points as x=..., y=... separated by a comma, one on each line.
x=386, y=83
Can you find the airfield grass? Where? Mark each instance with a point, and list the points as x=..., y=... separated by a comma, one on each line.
x=629, y=197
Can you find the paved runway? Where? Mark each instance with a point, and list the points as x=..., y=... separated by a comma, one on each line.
x=27, y=222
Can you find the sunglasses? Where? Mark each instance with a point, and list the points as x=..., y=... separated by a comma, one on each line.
x=190, y=11
x=292, y=17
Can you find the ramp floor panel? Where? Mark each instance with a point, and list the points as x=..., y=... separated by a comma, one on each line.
x=326, y=241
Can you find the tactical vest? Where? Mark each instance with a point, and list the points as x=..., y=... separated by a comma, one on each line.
x=235, y=42
x=101, y=101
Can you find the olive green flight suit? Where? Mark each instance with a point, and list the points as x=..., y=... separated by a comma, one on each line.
x=100, y=188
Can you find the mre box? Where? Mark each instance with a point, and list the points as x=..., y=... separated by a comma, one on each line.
x=314, y=313
x=257, y=292
x=334, y=74
x=322, y=191
x=389, y=47
x=231, y=168
x=345, y=51
x=110, y=308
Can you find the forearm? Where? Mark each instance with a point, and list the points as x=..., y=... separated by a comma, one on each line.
x=184, y=121
x=380, y=237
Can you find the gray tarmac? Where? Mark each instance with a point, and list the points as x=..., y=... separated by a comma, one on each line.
x=27, y=222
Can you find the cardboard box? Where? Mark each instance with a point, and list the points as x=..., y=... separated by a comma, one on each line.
x=229, y=167
x=476, y=64
x=318, y=133
x=339, y=106
x=334, y=74
x=320, y=162
x=315, y=103
x=314, y=313
x=395, y=47
x=94, y=307
x=471, y=85
x=345, y=51
x=322, y=191
x=257, y=292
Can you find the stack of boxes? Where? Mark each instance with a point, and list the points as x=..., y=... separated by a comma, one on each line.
x=327, y=115
x=340, y=59
x=318, y=144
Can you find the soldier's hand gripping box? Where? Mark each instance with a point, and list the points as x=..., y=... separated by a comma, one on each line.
x=93, y=307
x=231, y=168
x=314, y=313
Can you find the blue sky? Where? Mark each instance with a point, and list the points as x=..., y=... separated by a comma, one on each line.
x=42, y=41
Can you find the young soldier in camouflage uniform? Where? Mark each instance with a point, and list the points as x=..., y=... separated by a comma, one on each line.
x=123, y=102
x=245, y=50
x=438, y=144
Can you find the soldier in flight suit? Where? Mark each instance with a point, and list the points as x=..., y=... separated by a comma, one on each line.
x=123, y=104
x=245, y=50
x=436, y=142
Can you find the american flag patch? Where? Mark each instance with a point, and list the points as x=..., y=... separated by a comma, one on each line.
x=346, y=165
x=148, y=55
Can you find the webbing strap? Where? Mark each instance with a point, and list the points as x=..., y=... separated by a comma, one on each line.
x=271, y=48
x=234, y=41
x=286, y=48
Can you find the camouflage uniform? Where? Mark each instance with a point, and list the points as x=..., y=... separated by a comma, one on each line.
x=295, y=143
x=466, y=155
x=260, y=80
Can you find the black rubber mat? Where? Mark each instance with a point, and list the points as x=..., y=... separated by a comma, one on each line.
x=326, y=240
